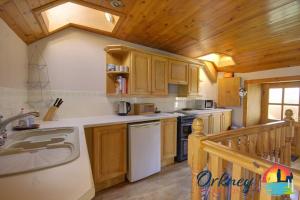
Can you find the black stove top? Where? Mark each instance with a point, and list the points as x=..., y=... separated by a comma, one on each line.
x=183, y=113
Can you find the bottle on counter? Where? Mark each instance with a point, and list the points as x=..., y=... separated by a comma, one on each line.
x=23, y=122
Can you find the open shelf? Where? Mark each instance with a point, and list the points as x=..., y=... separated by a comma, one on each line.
x=117, y=55
x=116, y=49
x=117, y=72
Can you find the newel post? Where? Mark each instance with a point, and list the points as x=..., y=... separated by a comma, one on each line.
x=289, y=136
x=197, y=158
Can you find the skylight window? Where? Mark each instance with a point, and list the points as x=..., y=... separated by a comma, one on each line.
x=70, y=13
x=219, y=60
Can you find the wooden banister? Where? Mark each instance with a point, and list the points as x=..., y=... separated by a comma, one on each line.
x=246, y=131
x=246, y=153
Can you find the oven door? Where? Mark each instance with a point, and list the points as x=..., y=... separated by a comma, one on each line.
x=186, y=130
x=182, y=150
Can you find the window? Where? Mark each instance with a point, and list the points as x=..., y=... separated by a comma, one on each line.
x=282, y=97
x=83, y=15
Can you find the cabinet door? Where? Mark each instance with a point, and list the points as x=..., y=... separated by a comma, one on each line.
x=226, y=117
x=109, y=153
x=206, y=124
x=140, y=73
x=159, y=69
x=193, y=79
x=178, y=72
x=216, y=123
x=228, y=92
x=168, y=140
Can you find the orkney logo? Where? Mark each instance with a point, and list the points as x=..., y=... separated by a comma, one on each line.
x=278, y=181
x=206, y=181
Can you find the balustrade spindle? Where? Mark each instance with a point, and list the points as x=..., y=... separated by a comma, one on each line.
x=282, y=144
x=266, y=147
x=277, y=145
x=259, y=146
x=272, y=138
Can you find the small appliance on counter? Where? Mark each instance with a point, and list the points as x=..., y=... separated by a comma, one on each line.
x=204, y=104
x=123, y=108
x=144, y=108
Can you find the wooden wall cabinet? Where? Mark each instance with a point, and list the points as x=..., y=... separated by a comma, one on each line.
x=194, y=78
x=168, y=141
x=149, y=74
x=117, y=56
x=178, y=72
x=192, y=89
x=228, y=92
x=108, y=154
x=159, y=76
x=140, y=73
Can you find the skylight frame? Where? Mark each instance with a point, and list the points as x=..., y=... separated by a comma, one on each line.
x=38, y=15
x=216, y=63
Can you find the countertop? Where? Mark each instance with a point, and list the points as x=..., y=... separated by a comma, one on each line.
x=208, y=111
x=72, y=181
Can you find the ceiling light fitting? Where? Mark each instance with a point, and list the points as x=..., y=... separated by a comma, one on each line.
x=116, y=3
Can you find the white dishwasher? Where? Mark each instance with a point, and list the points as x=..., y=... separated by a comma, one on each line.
x=143, y=150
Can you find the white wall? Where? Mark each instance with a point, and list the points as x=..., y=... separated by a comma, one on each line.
x=13, y=71
x=291, y=71
x=76, y=65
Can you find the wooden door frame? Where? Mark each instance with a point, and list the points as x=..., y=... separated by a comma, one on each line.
x=261, y=82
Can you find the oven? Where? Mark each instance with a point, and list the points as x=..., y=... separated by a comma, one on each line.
x=184, y=129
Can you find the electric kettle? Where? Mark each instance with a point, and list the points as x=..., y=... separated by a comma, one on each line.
x=123, y=108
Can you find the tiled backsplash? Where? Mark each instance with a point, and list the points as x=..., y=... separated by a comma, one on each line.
x=92, y=103
x=78, y=103
x=12, y=100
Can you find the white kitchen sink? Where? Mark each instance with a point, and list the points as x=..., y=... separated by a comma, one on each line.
x=34, y=150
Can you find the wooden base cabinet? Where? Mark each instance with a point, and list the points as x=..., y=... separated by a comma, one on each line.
x=216, y=122
x=108, y=154
x=168, y=141
x=226, y=120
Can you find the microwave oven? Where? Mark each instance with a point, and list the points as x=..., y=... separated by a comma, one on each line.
x=204, y=104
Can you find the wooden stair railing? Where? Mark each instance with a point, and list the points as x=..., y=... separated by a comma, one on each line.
x=244, y=153
x=296, y=140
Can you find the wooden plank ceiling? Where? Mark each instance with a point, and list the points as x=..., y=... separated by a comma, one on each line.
x=259, y=34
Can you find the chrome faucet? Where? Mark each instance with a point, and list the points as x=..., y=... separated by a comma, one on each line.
x=4, y=123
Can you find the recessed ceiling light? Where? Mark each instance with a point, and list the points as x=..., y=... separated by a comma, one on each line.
x=72, y=13
x=116, y=3
x=220, y=60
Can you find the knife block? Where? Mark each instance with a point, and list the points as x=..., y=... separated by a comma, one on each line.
x=50, y=113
